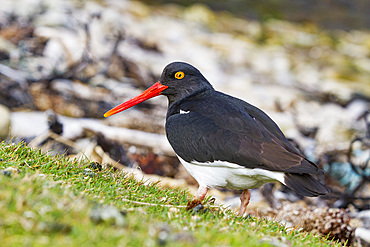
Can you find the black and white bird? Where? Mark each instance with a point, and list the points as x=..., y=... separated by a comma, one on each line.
x=226, y=142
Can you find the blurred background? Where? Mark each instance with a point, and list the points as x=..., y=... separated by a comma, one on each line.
x=63, y=63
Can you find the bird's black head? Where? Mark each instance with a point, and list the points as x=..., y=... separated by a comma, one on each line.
x=182, y=80
x=178, y=81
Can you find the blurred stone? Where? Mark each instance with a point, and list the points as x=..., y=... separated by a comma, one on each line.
x=6, y=173
x=4, y=122
x=54, y=227
x=95, y=166
x=344, y=173
x=334, y=222
x=336, y=126
x=198, y=208
x=363, y=236
x=109, y=215
x=69, y=98
x=54, y=124
x=364, y=217
x=6, y=47
x=115, y=149
x=16, y=32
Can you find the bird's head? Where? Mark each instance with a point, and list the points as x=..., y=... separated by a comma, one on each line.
x=178, y=80
x=182, y=80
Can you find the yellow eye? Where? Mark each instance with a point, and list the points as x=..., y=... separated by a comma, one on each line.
x=179, y=75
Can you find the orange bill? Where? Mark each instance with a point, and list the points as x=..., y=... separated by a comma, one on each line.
x=151, y=92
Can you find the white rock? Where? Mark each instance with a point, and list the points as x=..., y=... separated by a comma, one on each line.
x=363, y=234
x=4, y=122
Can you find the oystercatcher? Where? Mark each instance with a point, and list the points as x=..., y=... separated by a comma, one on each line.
x=223, y=141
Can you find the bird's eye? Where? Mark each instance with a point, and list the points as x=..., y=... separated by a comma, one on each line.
x=179, y=75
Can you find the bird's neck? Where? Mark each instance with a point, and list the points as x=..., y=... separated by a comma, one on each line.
x=175, y=104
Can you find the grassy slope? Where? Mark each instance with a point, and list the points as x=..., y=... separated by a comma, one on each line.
x=48, y=201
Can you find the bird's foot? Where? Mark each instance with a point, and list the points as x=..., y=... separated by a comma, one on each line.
x=193, y=203
x=201, y=194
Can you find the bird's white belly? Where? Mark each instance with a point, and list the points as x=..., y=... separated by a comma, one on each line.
x=229, y=175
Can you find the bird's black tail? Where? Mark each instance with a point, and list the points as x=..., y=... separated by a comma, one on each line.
x=305, y=184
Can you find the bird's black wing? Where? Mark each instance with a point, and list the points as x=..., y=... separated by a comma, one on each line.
x=220, y=127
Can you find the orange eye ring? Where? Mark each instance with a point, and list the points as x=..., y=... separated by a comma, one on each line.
x=179, y=75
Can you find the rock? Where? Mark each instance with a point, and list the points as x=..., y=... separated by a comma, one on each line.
x=109, y=214
x=4, y=122
x=54, y=124
x=13, y=87
x=95, y=166
x=362, y=232
x=363, y=236
x=364, y=216
x=114, y=148
x=198, y=208
x=10, y=171
x=334, y=222
x=344, y=174
x=6, y=173
x=336, y=126
x=54, y=227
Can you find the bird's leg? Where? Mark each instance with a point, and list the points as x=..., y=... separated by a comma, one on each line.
x=201, y=194
x=244, y=201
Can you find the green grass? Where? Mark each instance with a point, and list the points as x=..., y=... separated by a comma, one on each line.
x=48, y=201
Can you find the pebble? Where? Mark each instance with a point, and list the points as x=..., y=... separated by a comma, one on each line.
x=9, y=171
x=198, y=208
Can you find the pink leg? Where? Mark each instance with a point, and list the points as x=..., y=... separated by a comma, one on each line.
x=201, y=193
x=244, y=199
